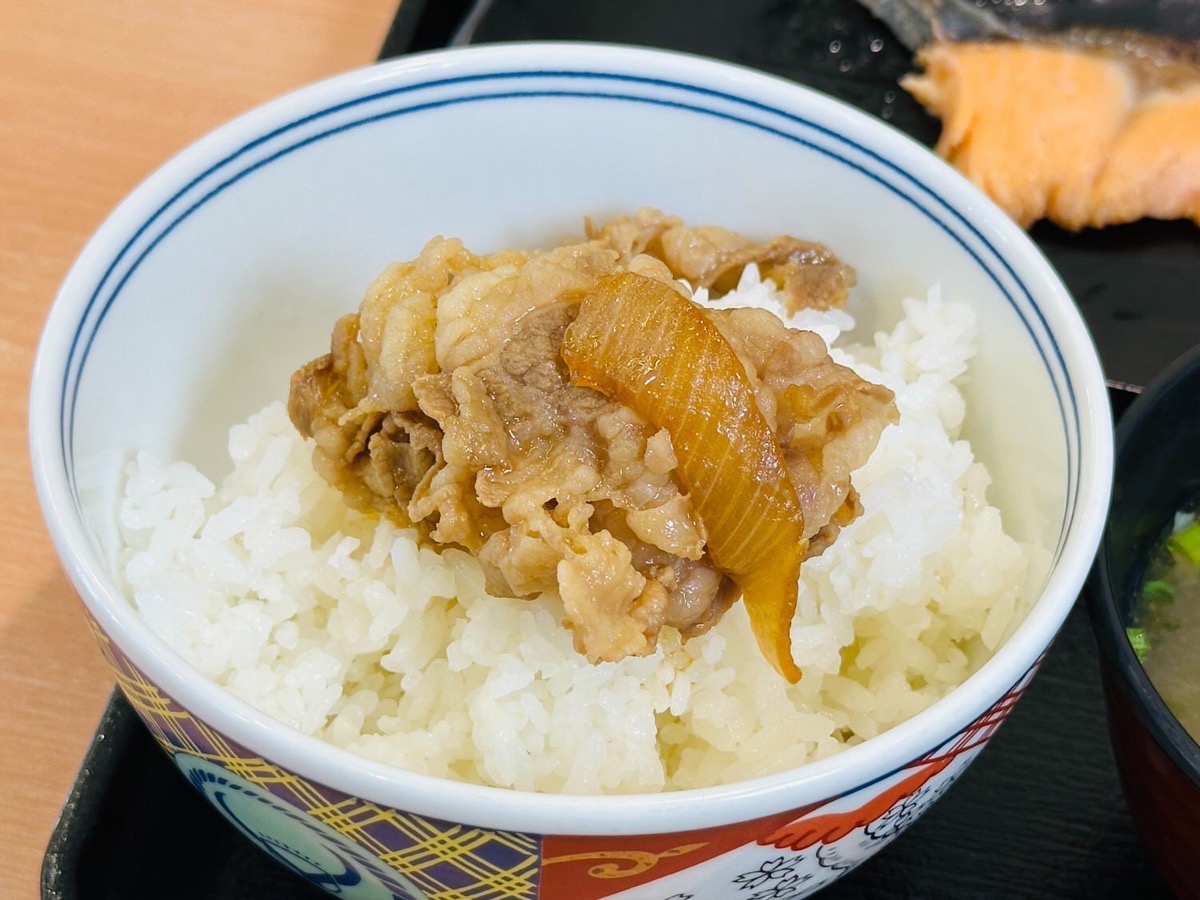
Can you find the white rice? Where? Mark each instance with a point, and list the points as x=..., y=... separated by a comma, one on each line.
x=338, y=624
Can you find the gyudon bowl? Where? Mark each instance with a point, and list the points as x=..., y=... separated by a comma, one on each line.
x=223, y=274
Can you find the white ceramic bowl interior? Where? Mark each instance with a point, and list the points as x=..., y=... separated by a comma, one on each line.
x=202, y=292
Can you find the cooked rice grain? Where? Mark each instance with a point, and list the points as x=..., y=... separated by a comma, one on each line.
x=338, y=624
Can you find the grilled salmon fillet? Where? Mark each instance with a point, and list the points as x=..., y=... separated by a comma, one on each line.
x=1083, y=136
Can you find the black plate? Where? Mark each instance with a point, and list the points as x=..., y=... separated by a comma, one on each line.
x=1138, y=285
x=1039, y=814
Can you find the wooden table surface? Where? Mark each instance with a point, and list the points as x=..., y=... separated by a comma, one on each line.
x=93, y=97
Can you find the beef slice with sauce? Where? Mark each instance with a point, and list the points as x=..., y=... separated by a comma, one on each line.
x=446, y=404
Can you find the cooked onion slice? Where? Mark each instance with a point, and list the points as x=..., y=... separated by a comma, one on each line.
x=639, y=341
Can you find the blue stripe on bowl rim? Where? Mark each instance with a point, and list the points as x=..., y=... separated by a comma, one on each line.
x=791, y=127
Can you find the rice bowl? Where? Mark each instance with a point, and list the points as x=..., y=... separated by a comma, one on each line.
x=159, y=328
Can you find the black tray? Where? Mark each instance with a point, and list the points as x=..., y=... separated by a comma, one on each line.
x=1039, y=814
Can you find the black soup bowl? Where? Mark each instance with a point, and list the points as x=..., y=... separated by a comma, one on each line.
x=1157, y=470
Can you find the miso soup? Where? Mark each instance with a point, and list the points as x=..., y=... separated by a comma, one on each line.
x=1166, y=619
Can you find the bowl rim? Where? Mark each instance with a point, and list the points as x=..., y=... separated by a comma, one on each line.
x=1102, y=592
x=506, y=809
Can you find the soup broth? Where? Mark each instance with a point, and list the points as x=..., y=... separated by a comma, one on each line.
x=1166, y=618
